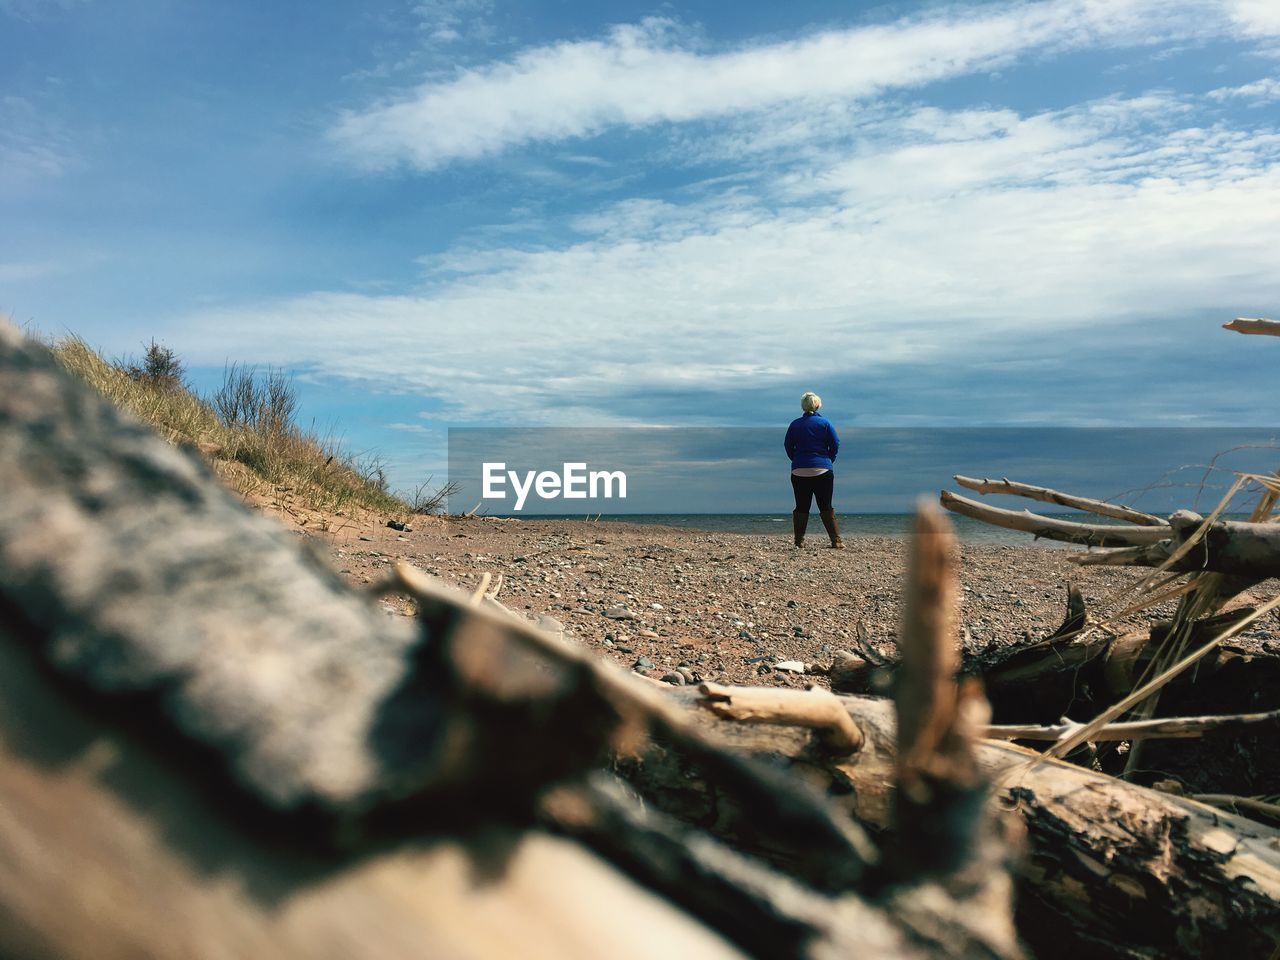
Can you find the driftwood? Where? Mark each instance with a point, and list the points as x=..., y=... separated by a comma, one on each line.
x=815, y=709
x=1266, y=328
x=112, y=847
x=940, y=792
x=1045, y=495
x=1250, y=550
x=1164, y=728
x=1051, y=528
x=1114, y=870
x=210, y=746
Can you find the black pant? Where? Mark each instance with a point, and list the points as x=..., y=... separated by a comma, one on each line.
x=806, y=488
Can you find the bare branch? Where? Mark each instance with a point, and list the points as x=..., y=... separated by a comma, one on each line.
x=1167, y=728
x=1045, y=495
x=1091, y=534
x=940, y=787
x=814, y=709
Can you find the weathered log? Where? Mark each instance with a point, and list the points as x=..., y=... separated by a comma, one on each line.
x=1236, y=547
x=1254, y=325
x=1045, y=495
x=1050, y=528
x=765, y=911
x=111, y=848
x=1132, y=871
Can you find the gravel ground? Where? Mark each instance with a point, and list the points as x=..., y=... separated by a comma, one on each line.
x=724, y=606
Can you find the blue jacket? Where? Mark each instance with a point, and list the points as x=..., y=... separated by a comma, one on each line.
x=812, y=442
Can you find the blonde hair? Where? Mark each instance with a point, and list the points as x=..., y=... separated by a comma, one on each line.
x=810, y=402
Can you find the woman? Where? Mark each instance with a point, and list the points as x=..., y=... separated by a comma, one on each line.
x=812, y=445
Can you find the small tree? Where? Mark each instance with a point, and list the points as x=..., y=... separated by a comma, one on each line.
x=159, y=367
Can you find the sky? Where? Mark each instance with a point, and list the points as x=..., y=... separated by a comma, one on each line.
x=461, y=213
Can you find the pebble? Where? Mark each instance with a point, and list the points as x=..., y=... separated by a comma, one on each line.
x=675, y=678
x=643, y=663
x=550, y=624
x=709, y=623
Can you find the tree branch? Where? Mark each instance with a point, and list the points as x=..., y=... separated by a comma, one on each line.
x=1045, y=495
x=1090, y=534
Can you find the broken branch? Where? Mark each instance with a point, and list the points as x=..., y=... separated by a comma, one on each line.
x=1045, y=495
x=1090, y=534
x=1167, y=728
x=814, y=709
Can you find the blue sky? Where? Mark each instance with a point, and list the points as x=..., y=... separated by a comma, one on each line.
x=456, y=213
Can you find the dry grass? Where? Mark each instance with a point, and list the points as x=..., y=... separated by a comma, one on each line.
x=248, y=453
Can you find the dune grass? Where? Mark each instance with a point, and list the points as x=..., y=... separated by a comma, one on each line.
x=246, y=431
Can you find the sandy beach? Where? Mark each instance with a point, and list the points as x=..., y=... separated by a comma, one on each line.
x=725, y=606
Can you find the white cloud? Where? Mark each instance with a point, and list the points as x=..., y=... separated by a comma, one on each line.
x=645, y=74
x=947, y=231
x=1268, y=88
x=1259, y=18
x=842, y=231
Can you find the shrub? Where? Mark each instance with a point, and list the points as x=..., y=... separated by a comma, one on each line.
x=159, y=367
x=250, y=421
x=426, y=499
x=266, y=404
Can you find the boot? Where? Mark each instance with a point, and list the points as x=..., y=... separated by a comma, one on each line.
x=799, y=523
x=833, y=528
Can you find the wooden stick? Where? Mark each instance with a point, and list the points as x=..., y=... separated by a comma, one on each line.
x=1045, y=495
x=1092, y=534
x=1166, y=728
x=815, y=709
x=1254, y=325
x=940, y=798
x=477, y=595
